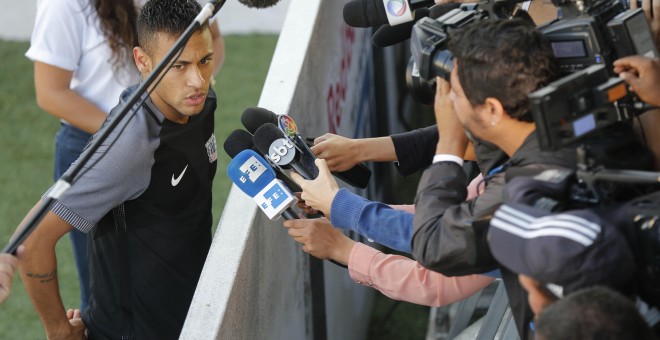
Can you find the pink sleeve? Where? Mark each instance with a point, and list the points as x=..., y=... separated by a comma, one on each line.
x=403, y=207
x=401, y=278
x=476, y=187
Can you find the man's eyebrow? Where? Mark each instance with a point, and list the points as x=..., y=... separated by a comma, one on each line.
x=186, y=62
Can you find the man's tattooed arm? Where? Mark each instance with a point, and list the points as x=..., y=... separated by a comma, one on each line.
x=43, y=278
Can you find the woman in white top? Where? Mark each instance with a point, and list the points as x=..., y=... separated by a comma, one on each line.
x=82, y=54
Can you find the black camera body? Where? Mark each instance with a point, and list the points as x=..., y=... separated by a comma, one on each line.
x=580, y=103
x=586, y=42
x=430, y=56
x=604, y=33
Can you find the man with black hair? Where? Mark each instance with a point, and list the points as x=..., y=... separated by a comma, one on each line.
x=145, y=198
x=497, y=64
x=592, y=313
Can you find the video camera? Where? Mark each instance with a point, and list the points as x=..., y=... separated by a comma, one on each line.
x=597, y=32
x=586, y=40
x=430, y=56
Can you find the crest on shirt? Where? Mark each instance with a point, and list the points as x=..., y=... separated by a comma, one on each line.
x=212, y=149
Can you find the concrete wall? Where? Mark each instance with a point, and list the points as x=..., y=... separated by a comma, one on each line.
x=17, y=18
x=255, y=283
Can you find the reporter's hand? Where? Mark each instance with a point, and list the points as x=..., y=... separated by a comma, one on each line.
x=8, y=266
x=320, y=192
x=302, y=205
x=642, y=75
x=340, y=153
x=321, y=239
x=453, y=139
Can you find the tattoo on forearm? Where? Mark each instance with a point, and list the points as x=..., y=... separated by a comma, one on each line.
x=43, y=278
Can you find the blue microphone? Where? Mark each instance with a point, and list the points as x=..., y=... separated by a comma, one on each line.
x=252, y=174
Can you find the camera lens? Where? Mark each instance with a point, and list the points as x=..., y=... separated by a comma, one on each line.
x=422, y=90
x=443, y=63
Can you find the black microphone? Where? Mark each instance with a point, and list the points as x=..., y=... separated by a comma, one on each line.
x=271, y=141
x=387, y=35
x=240, y=140
x=254, y=117
x=259, y=3
x=374, y=13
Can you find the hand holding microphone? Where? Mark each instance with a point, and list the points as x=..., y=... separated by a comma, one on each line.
x=320, y=192
x=255, y=118
x=303, y=206
x=340, y=153
x=320, y=239
x=256, y=178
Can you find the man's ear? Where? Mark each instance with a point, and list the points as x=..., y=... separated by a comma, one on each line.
x=142, y=61
x=493, y=110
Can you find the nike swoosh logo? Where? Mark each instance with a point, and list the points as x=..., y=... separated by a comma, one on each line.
x=175, y=181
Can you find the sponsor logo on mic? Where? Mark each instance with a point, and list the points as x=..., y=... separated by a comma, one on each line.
x=288, y=125
x=274, y=199
x=396, y=8
x=281, y=151
x=252, y=168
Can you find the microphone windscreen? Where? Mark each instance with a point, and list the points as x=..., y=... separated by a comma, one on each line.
x=365, y=13
x=259, y=3
x=238, y=141
x=388, y=35
x=265, y=136
x=254, y=117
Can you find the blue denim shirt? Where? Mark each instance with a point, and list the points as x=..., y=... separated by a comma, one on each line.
x=376, y=221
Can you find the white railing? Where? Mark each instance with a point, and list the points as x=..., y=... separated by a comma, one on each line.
x=256, y=283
